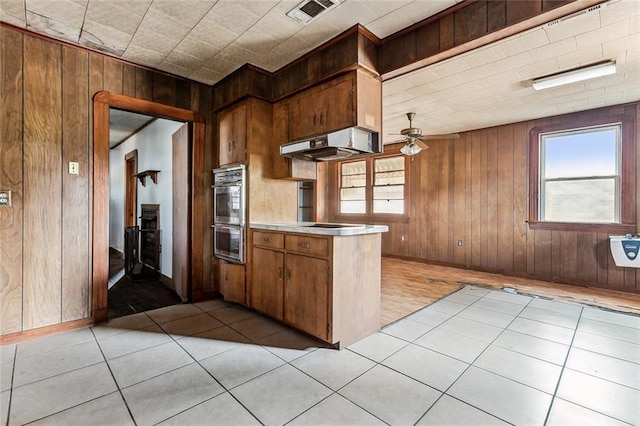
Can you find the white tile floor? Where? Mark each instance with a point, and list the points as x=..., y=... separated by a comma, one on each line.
x=476, y=357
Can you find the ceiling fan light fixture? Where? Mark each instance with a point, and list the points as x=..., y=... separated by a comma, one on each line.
x=410, y=148
x=576, y=75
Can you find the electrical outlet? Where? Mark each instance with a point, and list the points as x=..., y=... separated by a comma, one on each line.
x=459, y=243
x=74, y=168
x=5, y=198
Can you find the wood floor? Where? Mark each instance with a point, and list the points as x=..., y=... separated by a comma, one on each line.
x=409, y=286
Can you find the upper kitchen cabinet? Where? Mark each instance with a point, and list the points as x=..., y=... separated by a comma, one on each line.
x=353, y=99
x=232, y=135
x=283, y=167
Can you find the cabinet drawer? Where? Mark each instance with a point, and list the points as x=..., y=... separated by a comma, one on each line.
x=268, y=239
x=307, y=245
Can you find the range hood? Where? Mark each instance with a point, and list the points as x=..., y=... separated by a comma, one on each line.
x=338, y=145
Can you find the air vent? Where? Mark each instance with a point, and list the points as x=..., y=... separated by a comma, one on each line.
x=306, y=11
x=575, y=14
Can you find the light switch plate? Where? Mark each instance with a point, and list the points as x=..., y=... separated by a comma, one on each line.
x=5, y=198
x=74, y=167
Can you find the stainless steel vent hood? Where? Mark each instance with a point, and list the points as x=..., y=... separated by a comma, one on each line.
x=334, y=146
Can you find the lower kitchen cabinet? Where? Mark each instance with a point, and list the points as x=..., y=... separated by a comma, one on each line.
x=267, y=282
x=231, y=279
x=305, y=294
x=326, y=286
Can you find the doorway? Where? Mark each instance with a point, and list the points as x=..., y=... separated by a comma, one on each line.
x=195, y=194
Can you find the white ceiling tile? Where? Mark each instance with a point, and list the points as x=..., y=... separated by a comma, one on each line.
x=188, y=12
x=109, y=39
x=197, y=49
x=13, y=12
x=539, y=69
x=552, y=50
x=255, y=40
x=206, y=74
x=143, y=55
x=53, y=28
x=230, y=15
x=389, y=23
x=173, y=68
x=183, y=60
x=618, y=11
x=524, y=42
x=580, y=58
x=513, y=62
x=604, y=34
x=484, y=56
x=124, y=15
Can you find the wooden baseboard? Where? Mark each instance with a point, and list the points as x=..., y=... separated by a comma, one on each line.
x=22, y=336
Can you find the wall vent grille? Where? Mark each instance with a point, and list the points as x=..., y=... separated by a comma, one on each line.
x=575, y=14
x=306, y=11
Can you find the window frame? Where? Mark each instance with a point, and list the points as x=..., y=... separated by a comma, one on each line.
x=626, y=177
x=370, y=175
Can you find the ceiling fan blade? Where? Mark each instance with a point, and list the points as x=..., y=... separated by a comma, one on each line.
x=421, y=144
x=448, y=136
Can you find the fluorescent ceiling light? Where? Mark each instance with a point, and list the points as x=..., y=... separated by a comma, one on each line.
x=574, y=76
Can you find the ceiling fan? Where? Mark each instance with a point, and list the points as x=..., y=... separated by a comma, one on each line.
x=413, y=137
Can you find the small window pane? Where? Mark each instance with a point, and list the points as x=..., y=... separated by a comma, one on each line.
x=352, y=194
x=388, y=189
x=390, y=192
x=353, y=180
x=353, y=207
x=590, y=201
x=389, y=164
x=388, y=206
x=591, y=152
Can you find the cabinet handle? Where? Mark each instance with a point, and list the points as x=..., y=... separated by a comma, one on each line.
x=279, y=272
x=226, y=275
x=321, y=119
x=314, y=121
x=305, y=245
x=229, y=145
x=288, y=274
x=266, y=240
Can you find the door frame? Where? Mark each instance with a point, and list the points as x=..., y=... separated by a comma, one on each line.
x=102, y=101
x=130, y=189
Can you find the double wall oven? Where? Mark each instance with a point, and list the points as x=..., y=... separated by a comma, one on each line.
x=229, y=211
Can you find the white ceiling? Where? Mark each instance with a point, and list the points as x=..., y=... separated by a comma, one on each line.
x=205, y=40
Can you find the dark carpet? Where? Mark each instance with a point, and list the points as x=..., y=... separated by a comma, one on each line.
x=128, y=297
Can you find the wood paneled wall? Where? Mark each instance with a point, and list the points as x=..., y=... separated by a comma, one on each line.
x=45, y=253
x=475, y=189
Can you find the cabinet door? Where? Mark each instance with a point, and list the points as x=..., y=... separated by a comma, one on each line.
x=337, y=103
x=306, y=294
x=267, y=278
x=231, y=281
x=305, y=121
x=232, y=135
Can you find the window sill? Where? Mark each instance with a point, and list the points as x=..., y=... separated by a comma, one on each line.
x=370, y=219
x=609, y=228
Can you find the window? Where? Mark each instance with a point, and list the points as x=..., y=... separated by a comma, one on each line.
x=580, y=175
x=388, y=185
x=372, y=186
x=353, y=183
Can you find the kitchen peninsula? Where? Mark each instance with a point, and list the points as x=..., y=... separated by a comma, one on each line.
x=321, y=278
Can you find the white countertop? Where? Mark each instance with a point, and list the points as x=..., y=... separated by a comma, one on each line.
x=327, y=229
